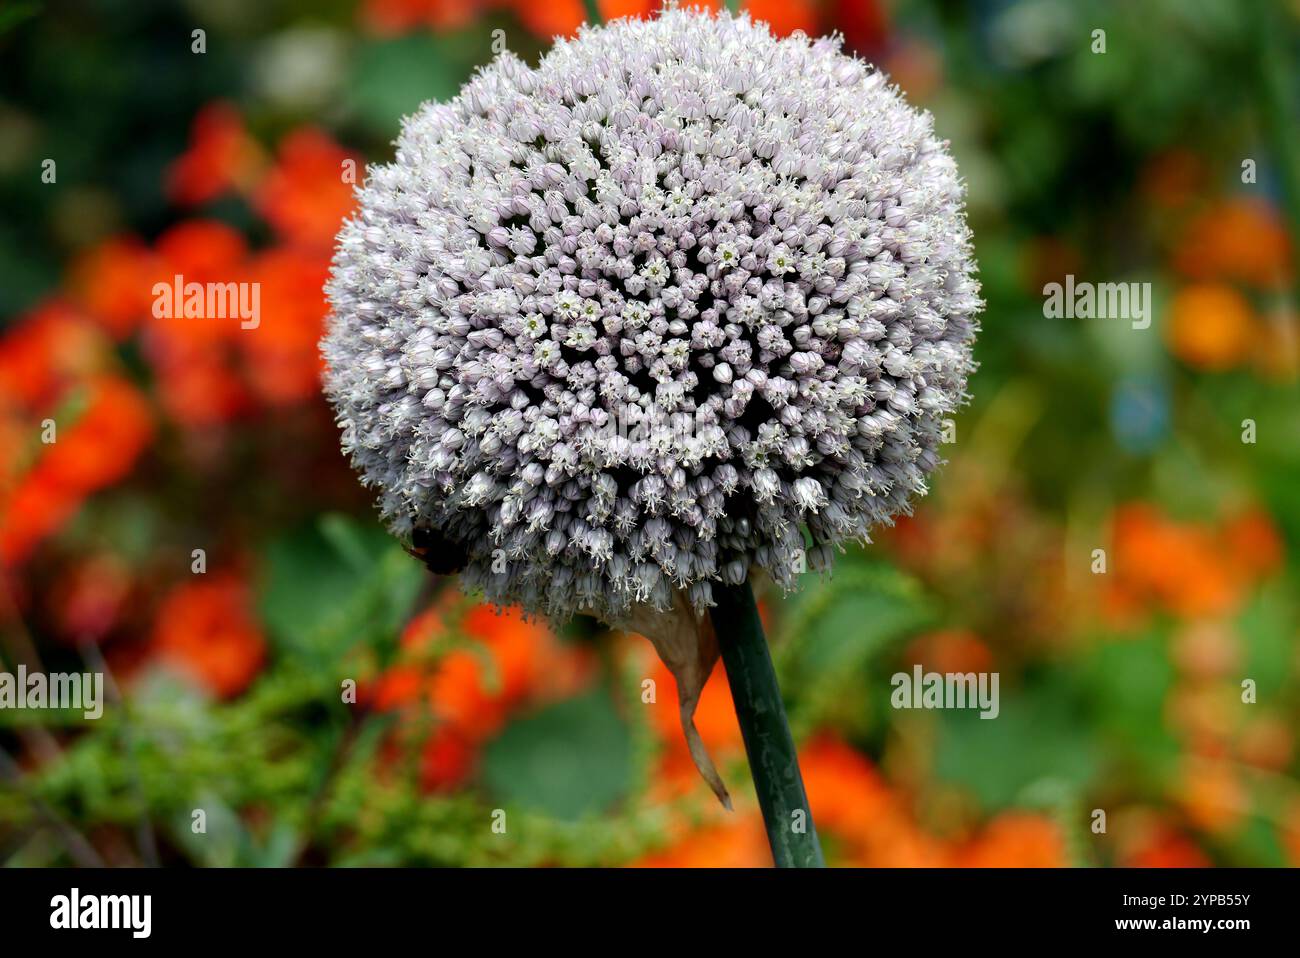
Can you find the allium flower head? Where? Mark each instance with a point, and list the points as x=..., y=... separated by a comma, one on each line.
x=640, y=319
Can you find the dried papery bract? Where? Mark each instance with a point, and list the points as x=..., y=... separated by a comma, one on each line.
x=683, y=302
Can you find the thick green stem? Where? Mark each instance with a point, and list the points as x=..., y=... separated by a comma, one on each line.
x=769, y=745
x=593, y=12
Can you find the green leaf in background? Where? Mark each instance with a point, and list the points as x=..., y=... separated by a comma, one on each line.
x=841, y=622
x=391, y=78
x=24, y=275
x=833, y=630
x=224, y=835
x=1037, y=737
x=1269, y=648
x=1127, y=682
x=228, y=843
x=336, y=583
x=15, y=13
x=1254, y=845
x=568, y=760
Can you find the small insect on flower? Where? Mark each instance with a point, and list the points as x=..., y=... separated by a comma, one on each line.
x=439, y=554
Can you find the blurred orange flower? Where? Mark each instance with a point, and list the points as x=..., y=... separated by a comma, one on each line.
x=44, y=351
x=206, y=629
x=447, y=758
x=194, y=358
x=470, y=692
x=551, y=19
x=1189, y=569
x=865, y=25
x=112, y=282
x=95, y=449
x=1211, y=326
x=1253, y=542
x=1277, y=345
x=308, y=192
x=282, y=356
x=1206, y=648
x=390, y=17
x=951, y=650
x=197, y=389
x=1212, y=794
x=563, y=17
x=739, y=841
x=854, y=807
x=847, y=795
x=221, y=157
x=863, y=822
x=1236, y=239
x=1290, y=832
x=102, y=443
x=1201, y=712
x=1015, y=840
x=1156, y=844
x=1267, y=742
x=201, y=250
x=212, y=370
x=786, y=16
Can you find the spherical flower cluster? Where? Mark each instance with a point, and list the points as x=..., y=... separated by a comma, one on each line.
x=681, y=301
